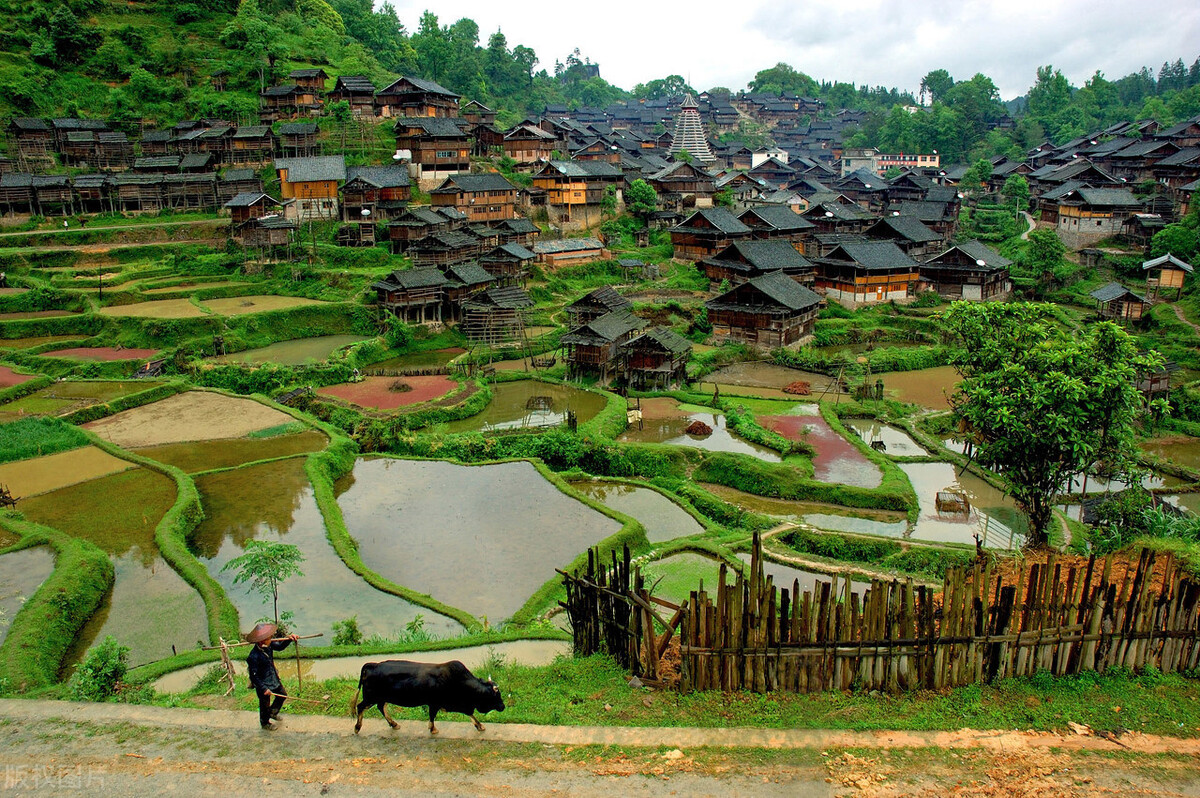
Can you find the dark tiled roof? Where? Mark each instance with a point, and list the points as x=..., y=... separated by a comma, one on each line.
x=665, y=337
x=763, y=256
x=721, y=219
x=280, y=91
x=321, y=167
x=252, y=131
x=379, y=176
x=779, y=217
x=873, y=254
x=518, y=225
x=1114, y=197
x=248, y=198
x=583, y=169
x=472, y=183
x=469, y=274
x=603, y=297
x=512, y=250
x=604, y=329
x=908, y=228
x=196, y=160
x=354, y=83
x=157, y=162
x=1113, y=291
x=976, y=251
x=420, y=84
x=298, y=129
x=1162, y=260
x=413, y=278
x=777, y=287
x=437, y=127
x=566, y=245
x=505, y=298
x=232, y=175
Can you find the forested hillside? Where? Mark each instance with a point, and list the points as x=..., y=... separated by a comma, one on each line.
x=149, y=62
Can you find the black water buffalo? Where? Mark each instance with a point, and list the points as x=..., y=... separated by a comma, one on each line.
x=449, y=686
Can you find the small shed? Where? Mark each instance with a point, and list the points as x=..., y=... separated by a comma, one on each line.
x=1165, y=271
x=496, y=316
x=656, y=359
x=1115, y=301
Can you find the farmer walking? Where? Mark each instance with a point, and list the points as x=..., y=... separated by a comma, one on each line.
x=263, y=677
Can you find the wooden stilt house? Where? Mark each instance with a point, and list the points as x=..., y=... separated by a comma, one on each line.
x=1165, y=272
x=744, y=260
x=594, y=346
x=496, y=316
x=595, y=304
x=1115, y=301
x=971, y=271
x=656, y=359
x=414, y=295
x=706, y=232
x=769, y=311
x=298, y=140
x=508, y=263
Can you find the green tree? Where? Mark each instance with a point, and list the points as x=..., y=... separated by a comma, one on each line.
x=1043, y=403
x=670, y=87
x=1043, y=258
x=1016, y=191
x=265, y=565
x=975, y=179
x=937, y=84
x=608, y=203
x=783, y=78
x=641, y=199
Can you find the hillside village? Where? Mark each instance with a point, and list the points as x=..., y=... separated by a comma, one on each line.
x=713, y=384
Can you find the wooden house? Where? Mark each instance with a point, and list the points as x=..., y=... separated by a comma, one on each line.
x=287, y=102
x=487, y=141
x=656, y=359
x=1087, y=215
x=251, y=205
x=865, y=272
x=63, y=127
x=413, y=295
x=382, y=191
x=357, y=91
x=252, y=144
x=1115, y=301
x=198, y=162
x=34, y=137
x=93, y=193
x=569, y=251
x=773, y=171
x=477, y=113
x=190, y=191
x=415, y=223
x=770, y=311
x=311, y=79
x=410, y=96
x=444, y=249
x=312, y=185
x=528, y=145
x=463, y=281
x=683, y=185
x=216, y=140
x=272, y=234
x=939, y=216
x=298, y=140
x=1164, y=273
x=78, y=148
x=744, y=191
x=439, y=146
x=16, y=193
x=595, y=304
x=838, y=217
x=573, y=191
x=138, y=192
x=238, y=181
x=778, y=222
x=517, y=231
x=742, y=261
x=906, y=232
x=508, y=263
x=52, y=194
x=970, y=270
x=596, y=149
x=706, y=232
x=594, y=346
x=156, y=142
x=496, y=315
x=483, y=198
x=114, y=150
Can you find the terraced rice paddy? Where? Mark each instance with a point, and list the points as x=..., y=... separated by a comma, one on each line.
x=897, y=443
x=189, y=416
x=21, y=573
x=35, y=340
x=27, y=478
x=836, y=459
x=256, y=303
x=66, y=397
x=293, y=353
x=9, y=378
x=100, y=353
x=378, y=393
x=662, y=518
x=530, y=403
x=156, y=309
x=670, y=430
x=196, y=456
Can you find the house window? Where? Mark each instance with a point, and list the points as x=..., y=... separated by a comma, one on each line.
x=447, y=154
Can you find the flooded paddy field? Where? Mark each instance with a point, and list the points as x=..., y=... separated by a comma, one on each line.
x=761, y=374
x=35, y=314
x=100, y=353
x=194, y=456
x=836, y=459
x=679, y=574
x=36, y=340
x=481, y=538
x=662, y=518
x=898, y=442
x=379, y=393
x=433, y=358
x=274, y=501
x=9, y=378
x=668, y=427
x=990, y=514
x=531, y=403
x=929, y=388
x=891, y=523
x=1179, y=449
x=295, y=352
x=27, y=478
x=189, y=416
x=66, y=397
x=155, y=309
x=159, y=287
x=21, y=573
x=151, y=608
x=256, y=303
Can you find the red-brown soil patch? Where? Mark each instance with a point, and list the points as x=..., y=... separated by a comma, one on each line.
x=376, y=392
x=836, y=459
x=1122, y=563
x=9, y=378
x=104, y=353
x=698, y=427
x=799, y=388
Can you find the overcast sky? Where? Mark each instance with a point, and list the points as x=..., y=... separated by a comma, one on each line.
x=877, y=43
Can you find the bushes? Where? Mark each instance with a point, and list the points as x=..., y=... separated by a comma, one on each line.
x=888, y=554
x=97, y=677
x=34, y=437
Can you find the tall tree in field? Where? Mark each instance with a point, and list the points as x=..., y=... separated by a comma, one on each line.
x=265, y=565
x=1044, y=403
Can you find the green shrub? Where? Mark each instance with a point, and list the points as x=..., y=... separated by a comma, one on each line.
x=101, y=671
x=34, y=437
x=347, y=633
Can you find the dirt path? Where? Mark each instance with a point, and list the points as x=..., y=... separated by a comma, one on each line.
x=116, y=749
x=1032, y=224
x=1179, y=315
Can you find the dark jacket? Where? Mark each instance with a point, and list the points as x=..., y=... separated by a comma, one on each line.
x=261, y=665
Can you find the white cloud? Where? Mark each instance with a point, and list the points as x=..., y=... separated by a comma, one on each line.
x=862, y=41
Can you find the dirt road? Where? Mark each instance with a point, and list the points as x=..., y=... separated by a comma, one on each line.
x=52, y=748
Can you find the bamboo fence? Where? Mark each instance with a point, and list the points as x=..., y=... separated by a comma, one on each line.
x=749, y=635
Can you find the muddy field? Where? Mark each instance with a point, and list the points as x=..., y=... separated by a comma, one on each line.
x=377, y=392
x=241, y=305
x=158, y=309
x=43, y=474
x=191, y=416
x=9, y=378
x=101, y=353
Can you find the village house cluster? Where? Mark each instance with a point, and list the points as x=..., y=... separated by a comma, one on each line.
x=777, y=230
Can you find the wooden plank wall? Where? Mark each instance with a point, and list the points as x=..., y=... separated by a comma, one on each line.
x=748, y=635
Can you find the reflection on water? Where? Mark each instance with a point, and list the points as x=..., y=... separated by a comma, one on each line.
x=293, y=353
x=21, y=572
x=991, y=514
x=860, y=525
x=482, y=538
x=1182, y=450
x=274, y=501
x=150, y=608
x=510, y=407
x=204, y=455
x=671, y=430
x=766, y=375
x=786, y=576
x=836, y=459
x=662, y=518
x=898, y=442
